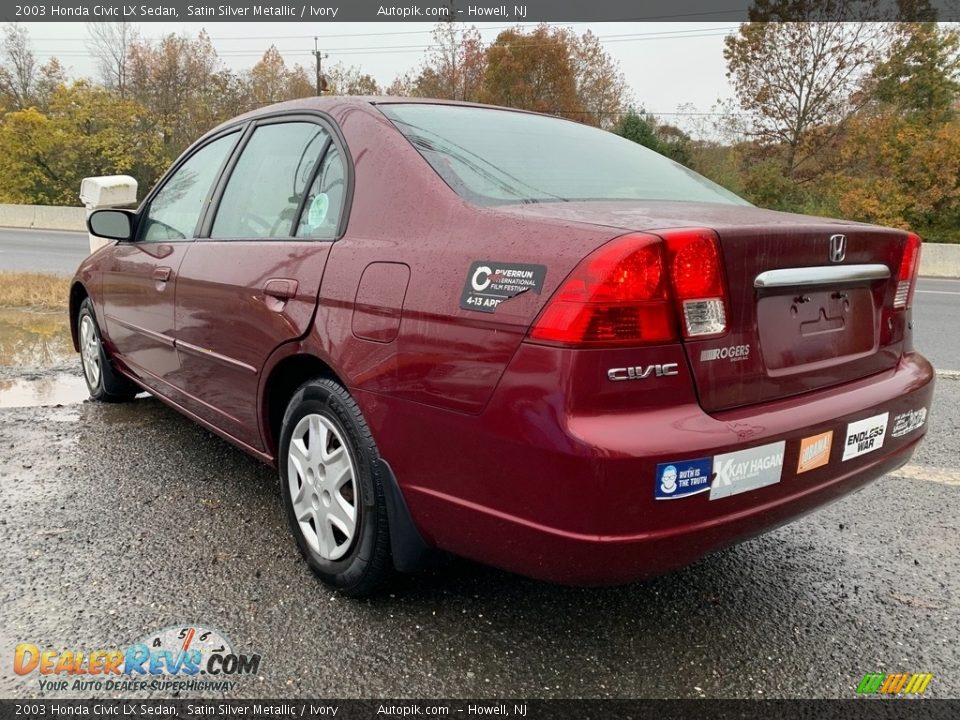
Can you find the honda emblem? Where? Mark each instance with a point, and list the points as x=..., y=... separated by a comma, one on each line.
x=838, y=248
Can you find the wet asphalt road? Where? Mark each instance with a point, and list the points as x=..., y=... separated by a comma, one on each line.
x=117, y=520
x=49, y=251
x=936, y=321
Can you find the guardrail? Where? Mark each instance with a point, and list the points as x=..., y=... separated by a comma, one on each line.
x=937, y=260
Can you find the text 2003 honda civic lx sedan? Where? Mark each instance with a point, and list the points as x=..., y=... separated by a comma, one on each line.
x=505, y=336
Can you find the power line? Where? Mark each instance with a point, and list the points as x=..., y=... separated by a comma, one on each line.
x=524, y=26
x=305, y=37
x=381, y=50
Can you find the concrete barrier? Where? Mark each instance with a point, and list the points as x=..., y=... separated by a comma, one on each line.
x=938, y=259
x=44, y=217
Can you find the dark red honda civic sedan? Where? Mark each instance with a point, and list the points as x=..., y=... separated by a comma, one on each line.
x=505, y=336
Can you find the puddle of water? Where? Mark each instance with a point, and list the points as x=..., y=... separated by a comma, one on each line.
x=60, y=389
x=34, y=338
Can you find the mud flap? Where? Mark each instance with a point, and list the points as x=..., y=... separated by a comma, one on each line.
x=411, y=553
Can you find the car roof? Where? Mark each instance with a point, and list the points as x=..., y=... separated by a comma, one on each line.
x=331, y=103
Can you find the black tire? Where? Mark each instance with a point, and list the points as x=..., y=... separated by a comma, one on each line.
x=367, y=562
x=107, y=385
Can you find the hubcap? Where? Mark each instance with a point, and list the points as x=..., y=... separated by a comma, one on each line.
x=90, y=351
x=323, y=486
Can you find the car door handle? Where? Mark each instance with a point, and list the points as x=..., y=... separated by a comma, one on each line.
x=281, y=288
x=162, y=274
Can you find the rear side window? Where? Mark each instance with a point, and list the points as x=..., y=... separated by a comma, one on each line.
x=268, y=183
x=324, y=206
x=175, y=210
x=494, y=157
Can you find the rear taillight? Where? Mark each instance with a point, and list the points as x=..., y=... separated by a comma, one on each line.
x=696, y=278
x=907, y=278
x=630, y=291
x=616, y=296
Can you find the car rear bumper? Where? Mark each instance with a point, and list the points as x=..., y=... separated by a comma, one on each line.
x=555, y=555
x=536, y=489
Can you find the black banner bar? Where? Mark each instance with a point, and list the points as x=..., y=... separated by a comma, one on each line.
x=854, y=709
x=526, y=11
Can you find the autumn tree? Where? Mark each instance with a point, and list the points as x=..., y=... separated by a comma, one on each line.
x=902, y=173
x=601, y=86
x=184, y=84
x=50, y=78
x=111, y=45
x=403, y=85
x=350, y=80
x=272, y=81
x=920, y=76
x=533, y=71
x=799, y=82
x=18, y=68
x=900, y=157
x=86, y=131
x=454, y=68
x=268, y=78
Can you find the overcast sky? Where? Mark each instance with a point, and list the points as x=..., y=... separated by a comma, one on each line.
x=668, y=65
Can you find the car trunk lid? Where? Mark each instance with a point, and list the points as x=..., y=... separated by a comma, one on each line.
x=799, y=322
x=800, y=319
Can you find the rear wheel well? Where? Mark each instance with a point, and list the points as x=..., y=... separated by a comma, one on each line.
x=288, y=375
x=78, y=293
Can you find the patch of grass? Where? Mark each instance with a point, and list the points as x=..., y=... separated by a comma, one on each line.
x=34, y=290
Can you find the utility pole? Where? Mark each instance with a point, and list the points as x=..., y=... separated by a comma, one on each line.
x=320, y=57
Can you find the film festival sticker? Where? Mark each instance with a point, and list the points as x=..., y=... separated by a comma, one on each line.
x=489, y=283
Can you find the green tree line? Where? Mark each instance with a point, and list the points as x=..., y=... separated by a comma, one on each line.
x=852, y=120
x=846, y=119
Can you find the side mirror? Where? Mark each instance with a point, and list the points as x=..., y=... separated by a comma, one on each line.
x=111, y=224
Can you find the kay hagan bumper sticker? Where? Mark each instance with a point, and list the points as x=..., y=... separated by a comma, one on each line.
x=745, y=470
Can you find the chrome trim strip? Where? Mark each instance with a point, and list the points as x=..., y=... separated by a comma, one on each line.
x=152, y=334
x=822, y=275
x=198, y=351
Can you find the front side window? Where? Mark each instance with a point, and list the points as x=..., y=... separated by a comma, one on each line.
x=494, y=157
x=268, y=183
x=175, y=210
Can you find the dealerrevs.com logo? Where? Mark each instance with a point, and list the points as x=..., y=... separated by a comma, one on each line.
x=175, y=659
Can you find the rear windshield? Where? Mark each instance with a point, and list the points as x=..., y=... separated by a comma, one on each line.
x=495, y=157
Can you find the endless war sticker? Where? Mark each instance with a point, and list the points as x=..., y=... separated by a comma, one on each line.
x=489, y=283
x=865, y=436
